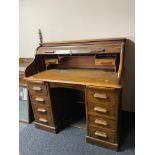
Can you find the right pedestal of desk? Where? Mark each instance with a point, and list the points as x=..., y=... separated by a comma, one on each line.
x=103, y=116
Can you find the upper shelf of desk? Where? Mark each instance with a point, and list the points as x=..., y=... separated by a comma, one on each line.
x=78, y=76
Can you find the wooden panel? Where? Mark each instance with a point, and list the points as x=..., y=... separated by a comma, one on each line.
x=102, y=110
x=78, y=76
x=42, y=114
x=51, y=61
x=71, y=50
x=22, y=81
x=105, y=96
x=102, y=122
x=37, y=88
x=82, y=42
x=84, y=62
x=102, y=134
x=105, y=62
x=40, y=100
x=101, y=143
x=25, y=60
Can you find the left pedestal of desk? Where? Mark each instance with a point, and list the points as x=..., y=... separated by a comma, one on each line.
x=41, y=104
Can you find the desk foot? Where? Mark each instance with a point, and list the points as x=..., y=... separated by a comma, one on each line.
x=100, y=143
x=46, y=127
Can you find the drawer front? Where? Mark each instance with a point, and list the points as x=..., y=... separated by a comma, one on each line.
x=51, y=61
x=103, y=96
x=39, y=89
x=102, y=134
x=105, y=62
x=108, y=111
x=42, y=115
x=113, y=50
x=40, y=100
x=102, y=122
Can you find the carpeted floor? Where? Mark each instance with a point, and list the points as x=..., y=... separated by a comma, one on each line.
x=70, y=141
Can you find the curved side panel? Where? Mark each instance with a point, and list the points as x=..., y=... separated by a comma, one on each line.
x=37, y=65
x=32, y=68
x=120, y=69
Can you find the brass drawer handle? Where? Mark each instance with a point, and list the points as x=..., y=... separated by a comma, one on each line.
x=41, y=110
x=43, y=120
x=36, y=88
x=39, y=99
x=101, y=134
x=99, y=109
x=103, y=96
x=98, y=121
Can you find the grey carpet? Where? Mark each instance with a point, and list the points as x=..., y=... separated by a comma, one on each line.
x=69, y=141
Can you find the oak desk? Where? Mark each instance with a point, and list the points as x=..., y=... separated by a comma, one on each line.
x=61, y=71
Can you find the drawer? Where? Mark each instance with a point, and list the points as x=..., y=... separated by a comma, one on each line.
x=51, y=61
x=102, y=134
x=107, y=96
x=37, y=88
x=42, y=115
x=105, y=62
x=108, y=111
x=106, y=49
x=102, y=122
x=40, y=100
x=113, y=50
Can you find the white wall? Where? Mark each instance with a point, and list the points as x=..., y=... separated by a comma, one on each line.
x=78, y=19
x=73, y=19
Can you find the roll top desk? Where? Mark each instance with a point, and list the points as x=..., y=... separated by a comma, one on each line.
x=92, y=67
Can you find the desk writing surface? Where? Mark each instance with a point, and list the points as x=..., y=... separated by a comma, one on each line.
x=78, y=76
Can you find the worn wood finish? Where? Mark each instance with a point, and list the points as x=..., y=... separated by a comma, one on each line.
x=78, y=76
x=101, y=143
x=37, y=88
x=76, y=62
x=92, y=41
x=41, y=104
x=102, y=122
x=103, y=108
x=102, y=134
x=63, y=72
x=107, y=62
x=23, y=63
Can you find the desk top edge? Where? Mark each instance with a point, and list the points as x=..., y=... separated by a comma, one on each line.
x=37, y=77
x=59, y=43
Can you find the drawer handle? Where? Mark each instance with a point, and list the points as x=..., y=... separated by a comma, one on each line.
x=101, y=134
x=43, y=120
x=97, y=51
x=49, y=52
x=36, y=88
x=99, y=109
x=106, y=63
x=39, y=99
x=98, y=121
x=103, y=96
x=52, y=62
x=39, y=82
x=41, y=110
